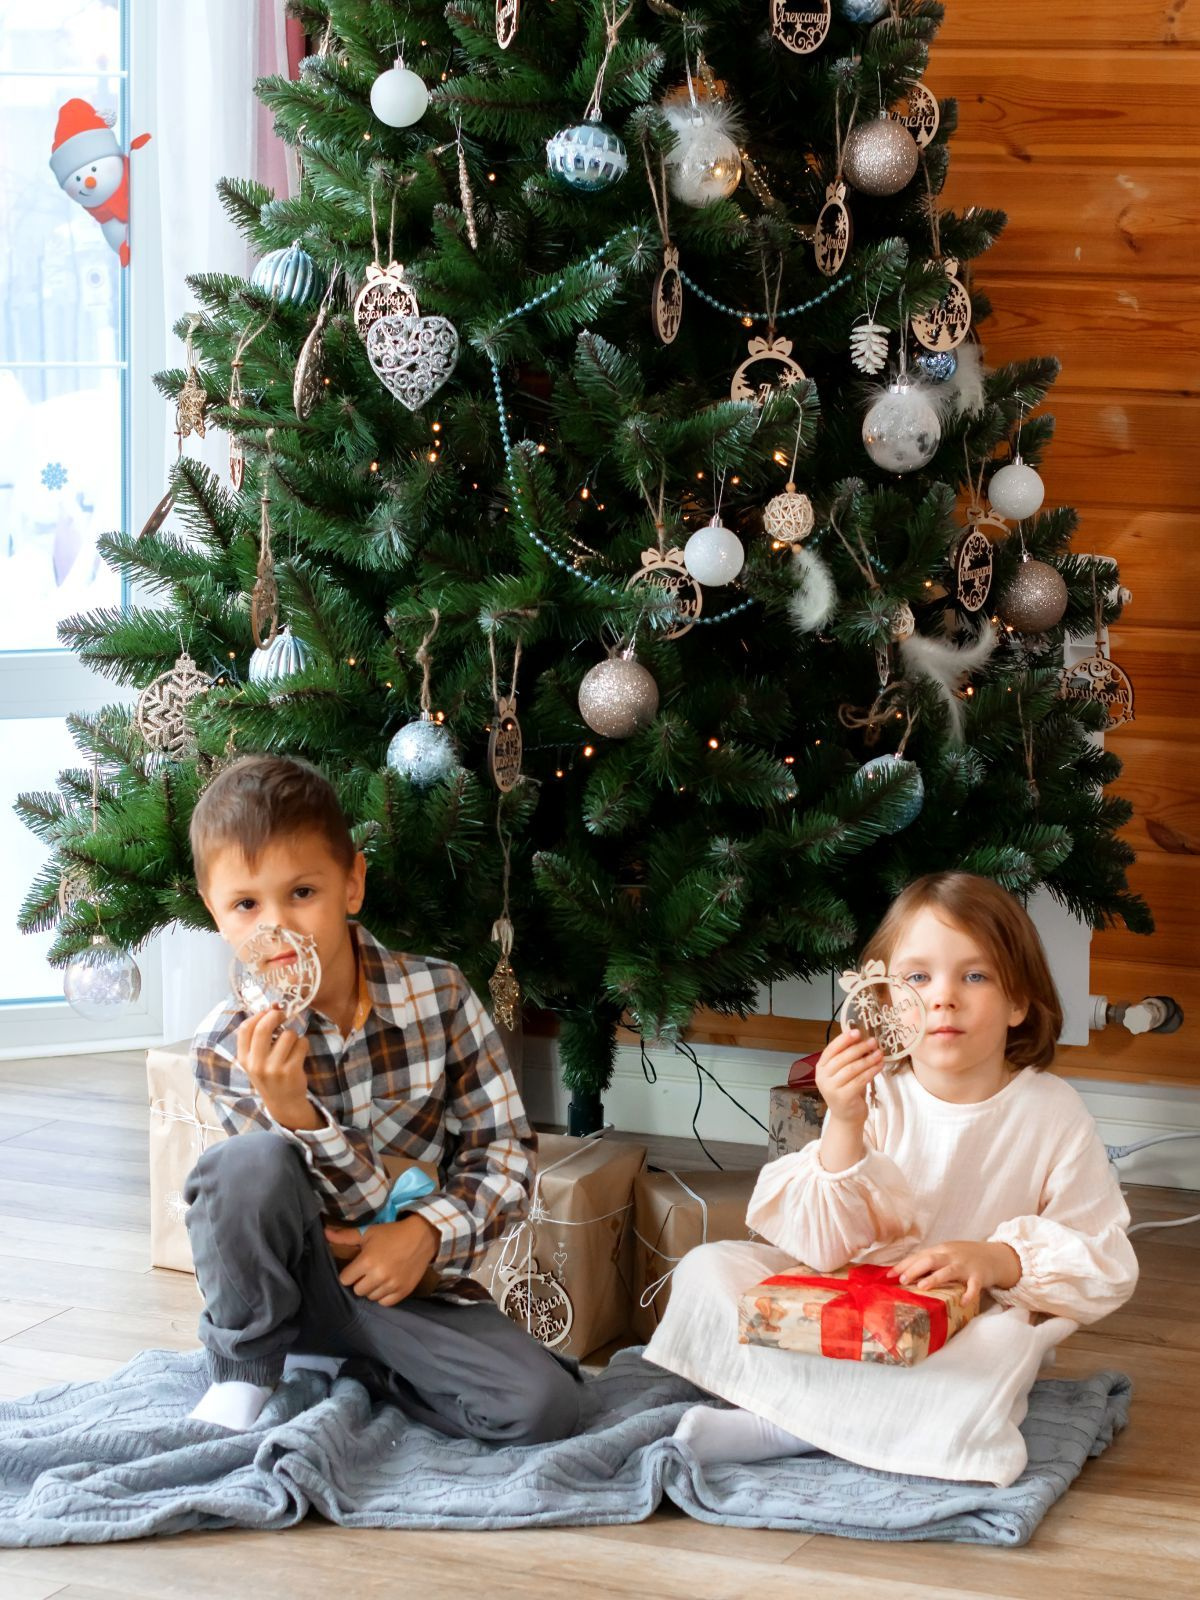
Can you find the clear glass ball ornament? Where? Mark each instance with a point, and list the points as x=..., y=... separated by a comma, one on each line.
x=901, y=430
x=102, y=981
x=714, y=554
x=587, y=156
x=399, y=97
x=705, y=164
x=423, y=752
x=1016, y=491
x=618, y=697
x=883, y=767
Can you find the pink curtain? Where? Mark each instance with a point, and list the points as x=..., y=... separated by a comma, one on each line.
x=279, y=49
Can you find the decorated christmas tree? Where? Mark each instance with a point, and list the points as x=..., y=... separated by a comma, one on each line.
x=621, y=513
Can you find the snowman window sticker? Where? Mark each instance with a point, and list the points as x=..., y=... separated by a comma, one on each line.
x=93, y=170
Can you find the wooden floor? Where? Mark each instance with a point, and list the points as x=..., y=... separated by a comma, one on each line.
x=77, y=1299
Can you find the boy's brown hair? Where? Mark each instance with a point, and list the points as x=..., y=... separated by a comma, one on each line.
x=259, y=798
x=1006, y=933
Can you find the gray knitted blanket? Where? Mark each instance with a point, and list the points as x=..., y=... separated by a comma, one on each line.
x=87, y=1462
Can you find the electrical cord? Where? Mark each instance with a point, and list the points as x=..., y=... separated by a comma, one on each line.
x=1117, y=1152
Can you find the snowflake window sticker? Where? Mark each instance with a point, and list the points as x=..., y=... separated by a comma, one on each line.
x=54, y=475
x=884, y=1005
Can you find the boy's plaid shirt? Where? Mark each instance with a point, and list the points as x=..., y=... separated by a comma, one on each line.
x=422, y=1075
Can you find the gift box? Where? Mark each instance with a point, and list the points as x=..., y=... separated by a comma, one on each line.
x=796, y=1112
x=565, y=1274
x=856, y=1314
x=183, y=1123
x=673, y=1212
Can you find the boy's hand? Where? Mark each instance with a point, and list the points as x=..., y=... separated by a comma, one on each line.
x=978, y=1266
x=389, y=1259
x=846, y=1066
x=275, y=1068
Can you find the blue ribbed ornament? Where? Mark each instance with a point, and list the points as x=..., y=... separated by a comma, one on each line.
x=588, y=156
x=913, y=793
x=289, y=276
x=863, y=11
x=282, y=658
x=423, y=752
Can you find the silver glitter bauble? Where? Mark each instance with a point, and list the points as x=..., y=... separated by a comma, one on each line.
x=282, y=658
x=618, y=696
x=863, y=11
x=937, y=366
x=1016, y=491
x=1035, y=599
x=423, y=752
x=704, y=164
x=880, y=156
x=102, y=982
x=901, y=430
x=587, y=156
x=912, y=796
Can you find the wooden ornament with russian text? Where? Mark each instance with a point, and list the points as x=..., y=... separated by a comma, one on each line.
x=666, y=569
x=945, y=325
x=834, y=231
x=666, y=301
x=505, y=745
x=803, y=27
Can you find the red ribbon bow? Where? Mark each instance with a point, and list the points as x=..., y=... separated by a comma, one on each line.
x=865, y=1303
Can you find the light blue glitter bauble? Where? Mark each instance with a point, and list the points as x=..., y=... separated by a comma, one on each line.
x=289, y=276
x=587, y=156
x=423, y=752
x=913, y=793
x=863, y=11
x=282, y=658
x=937, y=366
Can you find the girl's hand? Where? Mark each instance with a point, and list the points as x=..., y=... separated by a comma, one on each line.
x=977, y=1266
x=847, y=1065
x=275, y=1067
x=390, y=1260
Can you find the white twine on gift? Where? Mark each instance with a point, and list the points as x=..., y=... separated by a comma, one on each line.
x=177, y=1206
x=650, y=1293
x=510, y=1263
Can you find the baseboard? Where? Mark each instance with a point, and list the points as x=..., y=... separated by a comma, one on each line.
x=1124, y=1113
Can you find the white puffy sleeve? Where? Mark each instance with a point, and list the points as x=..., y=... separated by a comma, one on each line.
x=1076, y=1258
x=826, y=1219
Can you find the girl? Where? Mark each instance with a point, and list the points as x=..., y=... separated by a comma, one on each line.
x=969, y=1165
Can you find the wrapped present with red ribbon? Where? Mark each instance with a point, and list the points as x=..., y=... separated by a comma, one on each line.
x=797, y=1110
x=856, y=1314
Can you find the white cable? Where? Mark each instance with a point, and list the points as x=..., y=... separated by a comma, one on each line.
x=1117, y=1152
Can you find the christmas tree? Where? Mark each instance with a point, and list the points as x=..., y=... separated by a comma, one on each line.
x=660, y=573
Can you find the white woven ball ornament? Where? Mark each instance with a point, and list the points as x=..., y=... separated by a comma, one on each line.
x=1035, y=599
x=399, y=97
x=618, y=697
x=714, y=554
x=412, y=356
x=901, y=430
x=423, y=752
x=587, y=156
x=704, y=164
x=880, y=157
x=788, y=518
x=1016, y=491
x=102, y=981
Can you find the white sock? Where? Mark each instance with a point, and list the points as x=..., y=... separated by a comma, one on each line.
x=329, y=1365
x=713, y=1434
x=232, y=1405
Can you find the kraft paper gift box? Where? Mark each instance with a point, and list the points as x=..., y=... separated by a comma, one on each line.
x=855, y=1314
x=673, y=1212
x=566, y=1273
x=183, y=1123
x=797, y=1111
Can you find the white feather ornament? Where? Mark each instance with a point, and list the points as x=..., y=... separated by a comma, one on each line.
x=962, y=393
x=815, y=598
x=945, y=666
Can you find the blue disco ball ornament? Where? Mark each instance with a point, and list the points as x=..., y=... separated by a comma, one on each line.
x=423, y=752
x=289, y=276
x=937, y=366
x=863, y=11
x=912, y=794
x=284, y=657
x=588, y=156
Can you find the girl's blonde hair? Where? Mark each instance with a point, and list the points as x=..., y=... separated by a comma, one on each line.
x=1007, y=935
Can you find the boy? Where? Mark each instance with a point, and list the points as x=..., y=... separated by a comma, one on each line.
x=397, y=1058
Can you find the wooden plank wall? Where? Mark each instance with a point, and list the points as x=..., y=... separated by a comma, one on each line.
x=1079, y=120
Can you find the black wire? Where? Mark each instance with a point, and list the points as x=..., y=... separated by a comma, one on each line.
x=649, y=1070
x=686, y=1049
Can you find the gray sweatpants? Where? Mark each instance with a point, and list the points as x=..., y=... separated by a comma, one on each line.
x=270, y=1284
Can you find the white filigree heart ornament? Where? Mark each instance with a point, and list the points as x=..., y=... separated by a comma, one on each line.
x=412, y=356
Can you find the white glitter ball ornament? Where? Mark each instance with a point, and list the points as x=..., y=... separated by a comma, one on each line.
x=714, y=554
x=423, y=752
x=102, y=982
x=399, y=97
x=901, y=430
x=1016, y=491
x=618, y=697
x=880, y=156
